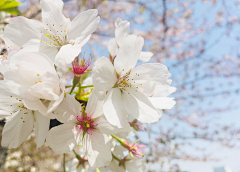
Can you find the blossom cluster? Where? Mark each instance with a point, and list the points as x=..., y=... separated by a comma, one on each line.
x=98, y=120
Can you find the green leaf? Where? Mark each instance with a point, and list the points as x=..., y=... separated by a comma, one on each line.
x=10, y=4
x=2, y=2
x=12, y=11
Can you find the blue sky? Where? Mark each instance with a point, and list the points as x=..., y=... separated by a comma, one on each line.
x=229, y=157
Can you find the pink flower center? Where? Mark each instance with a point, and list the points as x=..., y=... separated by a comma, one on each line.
x=86, y=124
x=80, y=66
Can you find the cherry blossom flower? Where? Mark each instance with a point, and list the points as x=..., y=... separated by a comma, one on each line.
x=56, y=36
x=88, y=129
x=121, y=32
x=127, y=88
x=21, y=120
x=37, y=82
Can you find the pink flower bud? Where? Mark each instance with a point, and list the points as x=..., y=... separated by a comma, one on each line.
x=133, y=149
x=137, y=125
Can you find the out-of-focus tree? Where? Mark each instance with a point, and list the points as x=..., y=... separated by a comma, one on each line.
x=184, y=36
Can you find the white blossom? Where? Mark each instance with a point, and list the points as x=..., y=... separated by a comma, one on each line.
x=56, y=36
x=37, y=82
x=121, y=32
x=127, y=88
x=79, y=128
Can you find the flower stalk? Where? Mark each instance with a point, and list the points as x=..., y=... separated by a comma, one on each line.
x=64, y=167
x=76, y=81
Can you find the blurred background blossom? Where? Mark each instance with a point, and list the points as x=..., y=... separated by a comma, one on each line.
x=199, y=41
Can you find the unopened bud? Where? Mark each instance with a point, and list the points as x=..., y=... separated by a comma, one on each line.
x=137, y=125
x=132, y=148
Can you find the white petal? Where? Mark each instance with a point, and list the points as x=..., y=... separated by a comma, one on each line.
x=4, y=66
x=98, y=149
x=63, y=138
x=11, y=45
x=4, y=114
x=115, y=167
x=71, y=166
x=162, y=102
x=8, y=100
x=158, y=92
x=159, y=113
x=119, y=151
x=135, y=165
x=35, y=45
x=87, y=81
x=37, y=62
x=54, y=104
x=121, y=31
x=105, y=127
x=85, y=41
x=20, y=30
x=128, y=54
x=17, y=129
x=145, y=56
x=52, y=14
x=104, y=75
x=67, y=54
x=102, y=169
x=138, y=105
x=19, y=77
x=34, y=103
x=113, y=47
x=125, y=131
x=118, y=21
x=95, y=104
x=113, y=108
x=83, y=25
x=151, y=75
x=44, y=90
x=155, y=71
x=41, y=126
x=68, y=110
